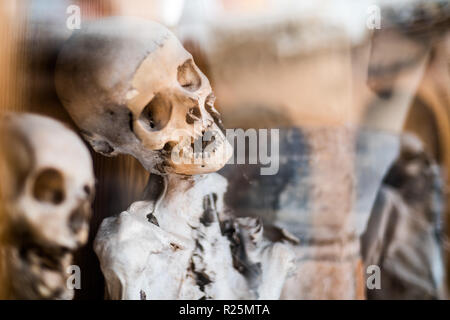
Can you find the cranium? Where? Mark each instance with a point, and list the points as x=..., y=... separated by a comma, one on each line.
x=50, y=184
x=132, y=88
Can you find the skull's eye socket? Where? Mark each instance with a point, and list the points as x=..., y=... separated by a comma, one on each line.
x=156, y=114
x=49, y=187
x=188, y=76
x=194, y=114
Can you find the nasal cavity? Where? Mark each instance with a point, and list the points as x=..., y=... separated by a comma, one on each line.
x=194, y=114
x=77, y=219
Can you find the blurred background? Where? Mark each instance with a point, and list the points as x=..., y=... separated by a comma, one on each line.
x=360, y=91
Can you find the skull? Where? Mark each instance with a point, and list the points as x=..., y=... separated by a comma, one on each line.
x=132, y=88
x=49, y=174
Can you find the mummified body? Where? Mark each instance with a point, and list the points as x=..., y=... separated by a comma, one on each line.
x=132, y=88
x=186, y=248
x=47, y=193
